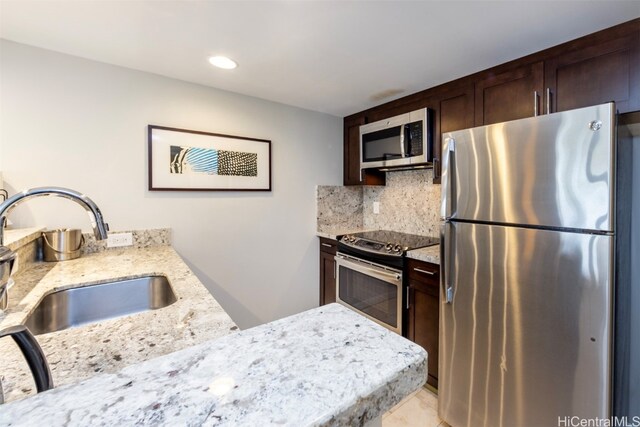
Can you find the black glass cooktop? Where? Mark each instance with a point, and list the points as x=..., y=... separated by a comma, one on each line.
x=410, y=241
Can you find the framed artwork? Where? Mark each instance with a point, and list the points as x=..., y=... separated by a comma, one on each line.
x=189, y=160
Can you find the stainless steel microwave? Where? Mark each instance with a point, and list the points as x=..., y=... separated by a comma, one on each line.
x=404, y=142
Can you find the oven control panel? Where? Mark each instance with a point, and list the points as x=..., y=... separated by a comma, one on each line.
x=388, y=248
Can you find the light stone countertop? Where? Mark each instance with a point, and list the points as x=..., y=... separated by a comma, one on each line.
x=79, y=353
x=429, y=254
x=327, y=366
x=15, y=238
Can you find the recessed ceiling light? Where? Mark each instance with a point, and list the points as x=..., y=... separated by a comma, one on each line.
x=223, y=62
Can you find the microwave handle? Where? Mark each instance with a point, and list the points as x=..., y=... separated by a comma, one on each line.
x=406, y=130
x=402, y=139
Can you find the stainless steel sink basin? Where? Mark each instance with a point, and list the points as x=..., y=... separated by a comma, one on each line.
x=73, y=307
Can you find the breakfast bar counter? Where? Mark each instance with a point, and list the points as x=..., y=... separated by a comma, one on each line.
x=324, y=367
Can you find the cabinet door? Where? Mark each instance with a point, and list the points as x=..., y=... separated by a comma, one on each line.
x=511, y=95
x=352, y=151
x=351, y=156
x=327, y=278
x=424, y=310
x=454, y=110
x=599, y=73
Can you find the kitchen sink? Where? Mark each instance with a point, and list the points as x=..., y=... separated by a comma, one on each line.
x=74, y=307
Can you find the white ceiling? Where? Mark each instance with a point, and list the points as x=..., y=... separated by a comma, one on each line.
x=331, y=56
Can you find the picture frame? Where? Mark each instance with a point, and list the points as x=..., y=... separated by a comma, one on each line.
x=190, y=160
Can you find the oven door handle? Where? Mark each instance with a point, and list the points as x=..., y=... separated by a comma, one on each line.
x=367, y=268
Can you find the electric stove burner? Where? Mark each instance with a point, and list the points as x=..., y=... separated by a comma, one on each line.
x=386, y=242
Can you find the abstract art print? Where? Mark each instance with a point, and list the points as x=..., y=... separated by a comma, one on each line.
x=187, y=160
x=211, y=161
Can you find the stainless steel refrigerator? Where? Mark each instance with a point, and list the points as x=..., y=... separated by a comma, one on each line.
x=527, y=270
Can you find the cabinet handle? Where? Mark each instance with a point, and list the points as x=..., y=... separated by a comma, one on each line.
x=335, y=265
x=535, y=103
x=419, y=270
x=548, y=100
x=408, y=293
x=436, y=169
x=327, y=245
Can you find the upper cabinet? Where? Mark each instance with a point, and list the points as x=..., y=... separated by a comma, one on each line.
x=602, y=71
x=453, y=105
x=352, y=174
x=511, y=95
x=591, y=70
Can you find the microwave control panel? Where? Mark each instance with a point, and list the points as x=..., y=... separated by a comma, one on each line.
x=414, y=131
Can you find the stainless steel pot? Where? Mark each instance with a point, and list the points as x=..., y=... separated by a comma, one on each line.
x=62, y=244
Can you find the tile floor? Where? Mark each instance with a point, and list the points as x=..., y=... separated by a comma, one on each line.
x=419, y=409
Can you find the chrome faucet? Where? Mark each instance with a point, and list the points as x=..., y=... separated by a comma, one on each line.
x=7, y=257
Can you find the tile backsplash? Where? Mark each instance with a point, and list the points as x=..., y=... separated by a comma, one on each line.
x=141, y=239
x=409, y=203
x=339, y=207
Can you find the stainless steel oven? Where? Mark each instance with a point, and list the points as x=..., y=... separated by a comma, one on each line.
x=373, y=290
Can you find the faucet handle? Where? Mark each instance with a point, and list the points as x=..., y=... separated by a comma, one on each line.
x=7, y=266
x=8, y=259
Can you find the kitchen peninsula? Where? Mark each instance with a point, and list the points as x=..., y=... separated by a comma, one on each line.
x=326, y=366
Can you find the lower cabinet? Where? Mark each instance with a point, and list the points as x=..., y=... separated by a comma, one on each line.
x=327, y=270
x=424, y=309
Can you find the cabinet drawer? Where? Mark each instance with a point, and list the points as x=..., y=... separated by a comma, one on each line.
x=423, y=272
x=328, y=245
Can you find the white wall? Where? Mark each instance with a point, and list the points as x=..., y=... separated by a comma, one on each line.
x=71, y=122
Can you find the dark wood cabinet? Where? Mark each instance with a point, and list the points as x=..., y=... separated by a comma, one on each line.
x=594, y=74
x=328, y=249
x=454, y=110
x=351, y=156
x=424, y=310
x=597, y=68
x=510, y=95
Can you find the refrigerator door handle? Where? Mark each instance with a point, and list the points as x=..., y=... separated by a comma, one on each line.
x=447, y=174
x=445, y=288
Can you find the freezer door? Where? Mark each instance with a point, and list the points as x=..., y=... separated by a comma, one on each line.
x=525, y=340
x=554, y=170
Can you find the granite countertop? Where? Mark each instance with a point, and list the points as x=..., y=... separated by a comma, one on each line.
x=15, y=238
x=429, y=254
x=324, y=367
x=79, y=353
